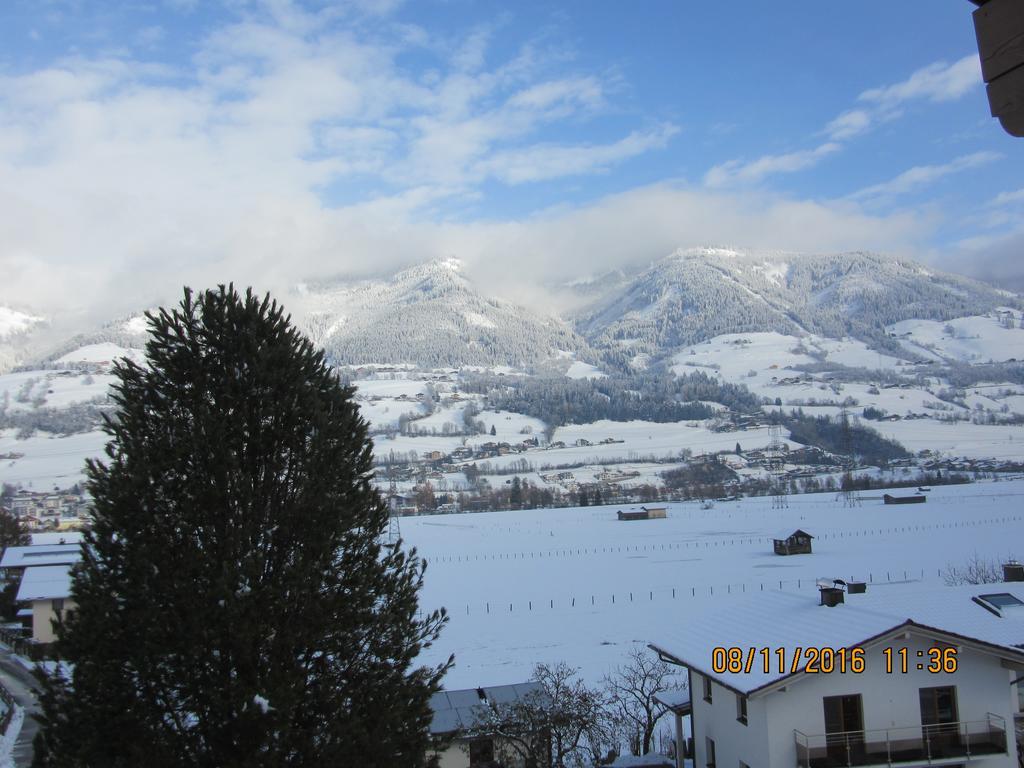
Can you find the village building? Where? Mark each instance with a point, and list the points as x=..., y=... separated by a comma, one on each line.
x=457, y=716
x=908, y=675
x=47, y=591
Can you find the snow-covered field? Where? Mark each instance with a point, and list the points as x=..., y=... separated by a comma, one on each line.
x=51, y=389
x=956, y=439
x=579, y=585
x=46, y=460
x=105, y=352
x=968, y=339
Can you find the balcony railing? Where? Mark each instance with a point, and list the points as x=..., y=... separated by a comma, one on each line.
x=909, y=744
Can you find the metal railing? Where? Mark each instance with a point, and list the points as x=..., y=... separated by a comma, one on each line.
x=905, y=744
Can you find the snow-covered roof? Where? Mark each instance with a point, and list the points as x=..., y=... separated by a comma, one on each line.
x=797, y=620
x=49, y=538
x=52, y=554
x=458, y=710
x=676, y=699
x=783, y=535
x=47, y=582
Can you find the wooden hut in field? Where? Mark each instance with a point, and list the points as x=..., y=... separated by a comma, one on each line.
x=796, y=543
x=644, y=513
x=918, y=498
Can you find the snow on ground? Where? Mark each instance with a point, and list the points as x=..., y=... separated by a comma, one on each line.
x=768, y=355
x=581, y=370
x=956, y=439
x=102, y=353
x=422, y=444
x=556, y=585
x=47, y=461
x=973, y=339
x=10, y=737
x=54, y=389
x=442, y=415
x=509, y=427
x=389, y=387
x=642, y=439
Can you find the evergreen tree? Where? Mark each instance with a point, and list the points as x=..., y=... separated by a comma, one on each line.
x=12, y=534
x=235, y=603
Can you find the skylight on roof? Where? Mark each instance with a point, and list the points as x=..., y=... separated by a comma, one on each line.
x=1001, y=600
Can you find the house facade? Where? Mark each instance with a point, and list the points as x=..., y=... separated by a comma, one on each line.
x=935, y=688
x=47, y=589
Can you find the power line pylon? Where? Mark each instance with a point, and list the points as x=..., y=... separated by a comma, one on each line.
x=776, y=455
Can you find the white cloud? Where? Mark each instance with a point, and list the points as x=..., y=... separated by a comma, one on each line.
x=936, y=82
x=293, y=148
x=738, y=172
x=849, y=124
x=292, y=145
x=537, y=163
x=1009, y=198
x=923, y=175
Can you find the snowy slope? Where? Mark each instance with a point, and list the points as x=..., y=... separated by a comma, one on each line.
x=16, y=336
x=694, y=295
x=431, y=315
x=973, y=339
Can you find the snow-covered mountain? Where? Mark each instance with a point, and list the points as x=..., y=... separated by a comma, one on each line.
x=430, y=315
x=17, y=330
x=694, y=295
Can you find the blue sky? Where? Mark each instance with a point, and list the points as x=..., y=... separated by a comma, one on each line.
x=147, y=144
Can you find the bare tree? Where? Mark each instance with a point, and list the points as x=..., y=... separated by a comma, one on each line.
x=548, y=727
x=630, y=692
x=976, y=570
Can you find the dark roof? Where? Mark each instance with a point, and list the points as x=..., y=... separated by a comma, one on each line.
x=794, y=534
x=458, y=710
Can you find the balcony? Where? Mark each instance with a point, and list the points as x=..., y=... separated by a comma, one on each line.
x=931, y=744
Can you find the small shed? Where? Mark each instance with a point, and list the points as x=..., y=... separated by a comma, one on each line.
x=644, y=513
x=915, y=499
x=796, y=543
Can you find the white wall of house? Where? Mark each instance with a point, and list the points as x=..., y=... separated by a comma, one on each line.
x=43, y=615
x=453, y=757
x=890, y=700
x=734, y=741
x=457, y=756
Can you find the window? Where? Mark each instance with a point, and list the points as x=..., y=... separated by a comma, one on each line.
x=741, y=708
x=58, y=605
x=707, y=689
x=939, y=715
x=710, y=756
x=481, y=752
x=844, y=725
x=999, y=602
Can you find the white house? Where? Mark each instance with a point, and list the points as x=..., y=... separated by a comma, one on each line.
x=899, y=675
x=47, y=588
